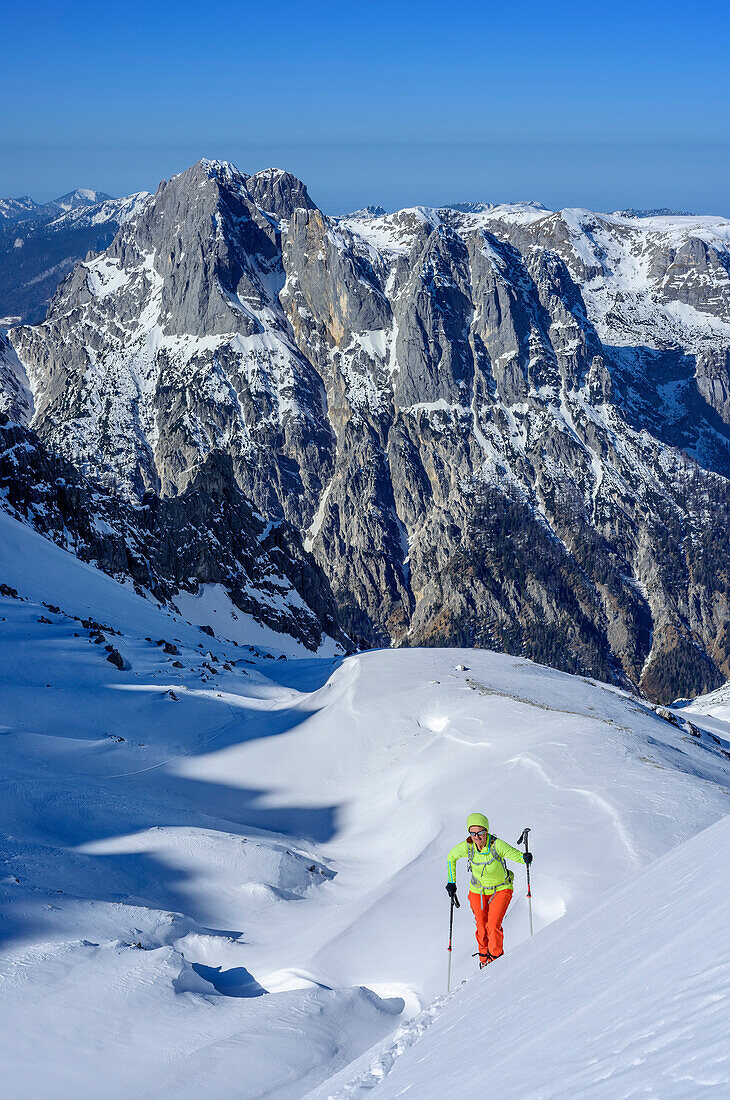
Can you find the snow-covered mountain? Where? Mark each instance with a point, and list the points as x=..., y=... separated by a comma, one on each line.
x=14, y=210
x=25, y=208
x=370, y=211
x=658, y=211
x=222, y=874
x=79, y=199
x=494, y=425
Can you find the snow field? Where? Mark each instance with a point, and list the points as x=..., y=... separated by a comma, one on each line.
x=227, y=878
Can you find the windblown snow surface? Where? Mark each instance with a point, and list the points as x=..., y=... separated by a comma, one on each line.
x=222, y=874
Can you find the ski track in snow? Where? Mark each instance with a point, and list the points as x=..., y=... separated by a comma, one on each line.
x=205, y=743
x=592, y=797
x=379, y=1065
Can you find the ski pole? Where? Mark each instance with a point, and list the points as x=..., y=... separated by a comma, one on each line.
x=523, y=837
x=454, y=902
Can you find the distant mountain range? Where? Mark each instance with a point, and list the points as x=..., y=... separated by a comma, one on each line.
x=489, y=425
x=41, y=243
x=25, y=208
x=659, y=212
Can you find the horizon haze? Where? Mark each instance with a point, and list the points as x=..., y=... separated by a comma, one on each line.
x=394, y=105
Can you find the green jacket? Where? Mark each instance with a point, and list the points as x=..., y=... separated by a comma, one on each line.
x=488, y=870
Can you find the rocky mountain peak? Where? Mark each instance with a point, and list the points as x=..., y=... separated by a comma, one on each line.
x=279, y=193
x=502, y=427
x=196, y=251
x=369, y=211
x=80, y=197
x=222, y=170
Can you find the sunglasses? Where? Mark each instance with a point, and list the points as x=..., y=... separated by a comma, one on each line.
x=477, y=832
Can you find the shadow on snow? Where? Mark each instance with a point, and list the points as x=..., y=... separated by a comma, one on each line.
x=60, y=812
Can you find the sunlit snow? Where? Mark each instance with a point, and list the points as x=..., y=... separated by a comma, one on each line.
x=223, y=873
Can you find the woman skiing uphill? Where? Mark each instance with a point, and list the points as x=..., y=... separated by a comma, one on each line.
x=490, y=888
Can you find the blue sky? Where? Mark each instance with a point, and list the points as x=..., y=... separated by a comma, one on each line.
x=605, y=106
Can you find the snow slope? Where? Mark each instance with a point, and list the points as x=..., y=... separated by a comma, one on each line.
x=222, y=874
x=628, y=999
x=715, y=705
x=211, y=605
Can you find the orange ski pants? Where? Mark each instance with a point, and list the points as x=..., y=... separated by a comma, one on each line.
x=489, y=911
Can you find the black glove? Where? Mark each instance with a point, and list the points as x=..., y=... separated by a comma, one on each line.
x=451, y=889
x=527, y=858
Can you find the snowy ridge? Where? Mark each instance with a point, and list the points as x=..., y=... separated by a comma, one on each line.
x=716, y=704
x=14, y=210
x=101, y=211
x=39, y=251
x=613, y=250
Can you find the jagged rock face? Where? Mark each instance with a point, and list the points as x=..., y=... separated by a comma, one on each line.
x=16, y=400
x=505, y=407
x=209, y=534
x=492, y=425
x=712, y=377
x=279, y=193
x=176, y=346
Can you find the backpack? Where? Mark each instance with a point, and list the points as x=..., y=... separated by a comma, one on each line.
x=509, y=877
